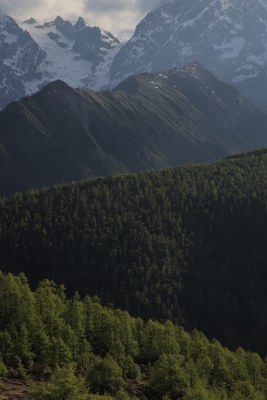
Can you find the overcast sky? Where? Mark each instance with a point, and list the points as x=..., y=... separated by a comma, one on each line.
x=118, y=16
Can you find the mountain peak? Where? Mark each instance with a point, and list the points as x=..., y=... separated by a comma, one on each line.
x=196, y=65
x=6, y=18
x=162, y=120
x=58, y=84
x=34, y=54
x=59, y=21
x=80, y=24
x=30, y=21
x=228, y=37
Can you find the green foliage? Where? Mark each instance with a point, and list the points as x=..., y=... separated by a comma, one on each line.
x=168, y=377
x=245, y=391
x=186, y=244
x=3, y=369
x=62, y=385
x=97, y=396
x=198, y=393
x=105, y=375
x=113, y=355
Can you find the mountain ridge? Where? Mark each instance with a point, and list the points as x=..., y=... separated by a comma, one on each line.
x=149, y=121
x=186, y=244
x=227, y=38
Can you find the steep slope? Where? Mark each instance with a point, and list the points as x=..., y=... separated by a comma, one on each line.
x=33, y=55
x=255, y=88
x=149, y=121
x=114, y=355
x=228, y=37
x=78, y=54
x=188, y=244
x=20, y=61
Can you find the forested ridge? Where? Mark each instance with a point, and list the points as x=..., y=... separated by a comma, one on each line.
x=81, y=350
x=186, y=244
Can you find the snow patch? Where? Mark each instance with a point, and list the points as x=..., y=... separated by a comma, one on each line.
x=230, y=49
x=9, y=38
x=64, y=64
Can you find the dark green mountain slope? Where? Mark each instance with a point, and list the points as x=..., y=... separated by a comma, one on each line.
x=188, y=244
x=149, y=121
x=116, y=356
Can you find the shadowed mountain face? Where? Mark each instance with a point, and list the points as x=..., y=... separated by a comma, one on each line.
x=149, y=121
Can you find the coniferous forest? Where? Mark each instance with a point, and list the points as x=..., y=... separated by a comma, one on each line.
x=133, y=200
x=86, y=351
x=186, y=244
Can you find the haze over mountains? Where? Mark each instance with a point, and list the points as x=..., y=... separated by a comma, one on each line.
x=33, y=55
x=228, y=37
x=149, y=121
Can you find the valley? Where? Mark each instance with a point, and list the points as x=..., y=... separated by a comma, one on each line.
x=133, y=201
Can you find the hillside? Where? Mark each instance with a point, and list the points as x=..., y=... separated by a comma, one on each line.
x=76, y=347
x=149, y=121
x=187, y=244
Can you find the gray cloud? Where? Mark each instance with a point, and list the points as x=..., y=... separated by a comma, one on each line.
x=118, y=16
x=105, y=6
x=16, y=7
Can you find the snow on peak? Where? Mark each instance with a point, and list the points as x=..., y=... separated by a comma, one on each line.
x=34, y=55
x=75, y=53
x=6, y=19
x=227, y=36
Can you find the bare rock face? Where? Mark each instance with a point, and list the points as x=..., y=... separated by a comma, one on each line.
x=20, y=60
x=33, y=55
x=228, y=37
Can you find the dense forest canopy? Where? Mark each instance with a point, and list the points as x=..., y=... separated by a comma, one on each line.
x=78, y=347
x=186, y=244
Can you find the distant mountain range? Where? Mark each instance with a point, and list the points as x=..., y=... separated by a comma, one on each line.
x=228, y=37
x=148, y=121
x=34, y=55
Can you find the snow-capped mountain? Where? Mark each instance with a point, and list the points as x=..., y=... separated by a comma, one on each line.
x=33, y=54
x=229, y=37
x=20, y=59
x=78, y=54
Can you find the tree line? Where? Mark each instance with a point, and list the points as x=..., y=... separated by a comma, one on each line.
x=186, y=244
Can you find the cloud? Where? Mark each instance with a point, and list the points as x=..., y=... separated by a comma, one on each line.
x=120, y=5
x=117, y=16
